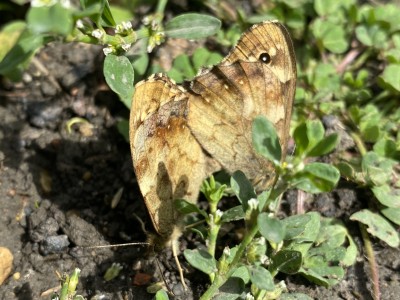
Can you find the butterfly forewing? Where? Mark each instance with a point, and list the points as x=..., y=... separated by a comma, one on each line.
x=226, y=99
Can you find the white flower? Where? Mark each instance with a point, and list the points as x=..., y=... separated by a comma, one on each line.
x=126, y=25
x=146, y=20
x=227, y=251
x=126, y=47
x=65, y=3
x=261, y=241
x=41, y=3
x=265, y=260
x=97, y=33
x=79, y=24
x=253, y=204
x=218, y=214
x=123, y=27
x=249, y=296
x=108, y=50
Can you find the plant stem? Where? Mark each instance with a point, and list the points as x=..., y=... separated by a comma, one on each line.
x=161, y=6
x=376, y=294
x=221, y=278
x=359, y=143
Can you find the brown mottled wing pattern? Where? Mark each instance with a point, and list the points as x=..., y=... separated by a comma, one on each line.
x=258, y=77
x=168, y=161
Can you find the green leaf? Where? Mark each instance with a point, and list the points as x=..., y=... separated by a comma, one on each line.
x=181, y=69
x=387, y=195
x=346, y=170
x=242, y=188
x=294, y=296
x=185, y=207
x=302, y=228
x=123, y=129
x=233, y=214
x=391, y=76
x=372, y=36
x=295, y=226
x=119, y=75
x=255, y=252
x=243, y=273
x=272, y=229
x=301, y=139
x=393, y=214
x=201, y=260
x=332, y=36
x=100, y=12
x=286, y=261
x=377, y=226
x=9, y=35
x=121, y=14
x=192, y=26
x=325, y=8
x=265, y=140
x=230, y=290
x=325, y=79
x=204, y=58
x=323, y=274
x=315, y=132
x=323, y=147
x=316, y=178
x=388, y=14
x=140, y=63
x=50, y=19
x=387, y=147
x=377, y=170
x=23, y=50
x=261, y=278
x=332, y=237
x=161, y=295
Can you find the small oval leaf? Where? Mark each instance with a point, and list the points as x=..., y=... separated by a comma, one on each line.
x=265, y=140
x=119, y=75
x=192, y=26
x=272, y=229
x=201, y=260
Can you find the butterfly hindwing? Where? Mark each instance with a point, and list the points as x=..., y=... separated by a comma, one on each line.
x=168, y=161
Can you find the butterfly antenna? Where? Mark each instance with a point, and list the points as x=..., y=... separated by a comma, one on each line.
x=163, y=278
x=117, y=245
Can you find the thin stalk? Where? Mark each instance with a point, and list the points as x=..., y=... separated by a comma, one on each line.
x=221, y=278
x=359, y=143
x=161, y=7
x=376, y=294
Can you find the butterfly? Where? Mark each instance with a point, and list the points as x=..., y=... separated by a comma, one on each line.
x=180, y=134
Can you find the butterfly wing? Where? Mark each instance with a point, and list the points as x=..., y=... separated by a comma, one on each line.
x=258, y=77
x=168, y=161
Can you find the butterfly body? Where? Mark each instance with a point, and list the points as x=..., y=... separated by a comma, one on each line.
x=179, y=136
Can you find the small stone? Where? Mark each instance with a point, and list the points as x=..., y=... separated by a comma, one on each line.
x=54, y=244
x=6, y=261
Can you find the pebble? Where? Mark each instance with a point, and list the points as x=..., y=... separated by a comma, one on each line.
x=54, y=244
x=6, y=261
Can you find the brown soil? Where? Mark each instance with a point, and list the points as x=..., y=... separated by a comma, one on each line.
x=56, y=188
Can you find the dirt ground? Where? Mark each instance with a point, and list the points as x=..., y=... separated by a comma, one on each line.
x=56, y=190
